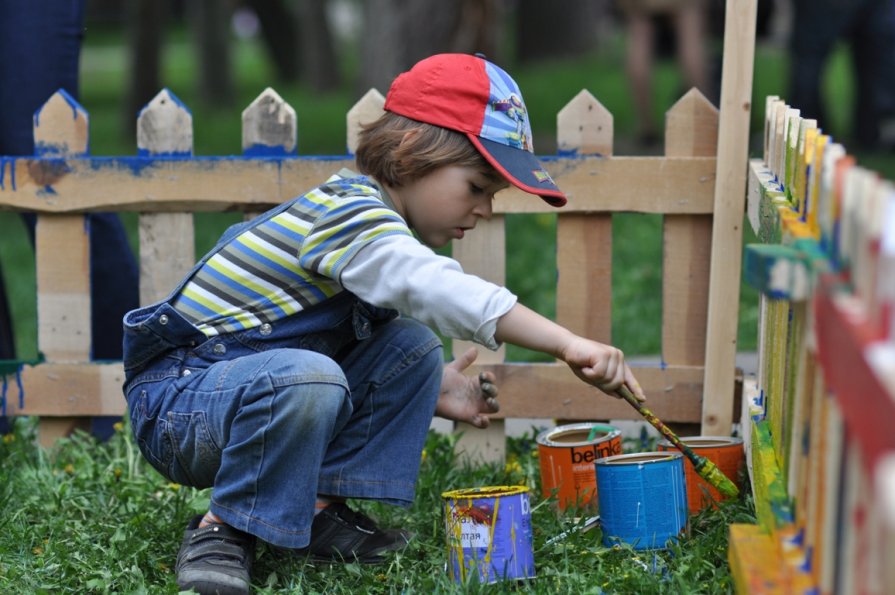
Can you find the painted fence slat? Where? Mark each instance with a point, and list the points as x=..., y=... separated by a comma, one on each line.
x=63, y=288
x=167, y=243
x=269, y=126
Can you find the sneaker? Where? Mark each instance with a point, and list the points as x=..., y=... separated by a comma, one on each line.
x=340, y=534
x=216, y=559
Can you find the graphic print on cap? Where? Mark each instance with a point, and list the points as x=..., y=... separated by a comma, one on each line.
x=506, y=119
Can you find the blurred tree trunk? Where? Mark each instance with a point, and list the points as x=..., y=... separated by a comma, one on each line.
x=146, y=21
x=398, y=33
x=210, y=25
x=280, y=33
x=558, y=29
x=320, y=64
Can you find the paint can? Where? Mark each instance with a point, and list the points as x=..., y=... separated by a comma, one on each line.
x=488, y=533
x=643, y=499
x=725, y=452
x=566, y=455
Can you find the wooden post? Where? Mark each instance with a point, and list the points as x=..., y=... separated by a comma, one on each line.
x=727, y=232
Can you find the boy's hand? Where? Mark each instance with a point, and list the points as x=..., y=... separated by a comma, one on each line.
x=467, y=399
x=602, y=366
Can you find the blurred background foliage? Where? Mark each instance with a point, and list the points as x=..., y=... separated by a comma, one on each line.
x=322, y=55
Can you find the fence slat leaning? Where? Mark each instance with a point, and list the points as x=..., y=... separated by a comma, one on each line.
x=165, y=183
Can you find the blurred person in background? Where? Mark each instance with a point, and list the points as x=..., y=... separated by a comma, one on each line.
x=868, y=28
x=40, y=43
x=688, y=20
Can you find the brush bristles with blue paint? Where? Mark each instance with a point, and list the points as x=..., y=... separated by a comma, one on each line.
x=704, y=467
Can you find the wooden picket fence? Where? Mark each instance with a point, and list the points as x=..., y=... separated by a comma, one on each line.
x=166, y=184
x=698, y=185
x=820, y=415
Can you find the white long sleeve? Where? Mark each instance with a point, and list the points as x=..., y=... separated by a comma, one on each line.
x=401, y=273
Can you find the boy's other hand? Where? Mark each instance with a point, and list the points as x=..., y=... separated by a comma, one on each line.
x=464, y=398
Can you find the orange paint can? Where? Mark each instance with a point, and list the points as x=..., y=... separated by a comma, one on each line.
x=567, y=455
x=725, y=452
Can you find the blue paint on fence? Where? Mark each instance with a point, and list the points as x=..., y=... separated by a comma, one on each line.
x=4, y=390
x=262, y=150
x=146, y=153
x=42, y=148
x=569, y=154
x=12, y=172
x=177, y=100
x=20, y=387
x=72, y=103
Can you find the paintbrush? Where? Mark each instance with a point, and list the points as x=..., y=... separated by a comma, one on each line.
x=704, y=467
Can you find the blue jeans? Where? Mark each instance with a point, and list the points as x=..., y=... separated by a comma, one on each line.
x=336, y=400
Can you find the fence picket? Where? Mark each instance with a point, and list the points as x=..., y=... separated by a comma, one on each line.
x=367, y=109
x=691, y=130
x=167, y=240
x=584, y=240
x=269, y=126
x=63, y=285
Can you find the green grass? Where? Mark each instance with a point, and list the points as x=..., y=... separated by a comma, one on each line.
x=90, y=517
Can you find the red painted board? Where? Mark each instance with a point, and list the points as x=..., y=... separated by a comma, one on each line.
x=842, y=336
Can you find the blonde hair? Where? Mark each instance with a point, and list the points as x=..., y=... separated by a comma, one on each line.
x=396, y=150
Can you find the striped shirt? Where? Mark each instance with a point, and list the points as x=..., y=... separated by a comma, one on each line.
x=291, y=260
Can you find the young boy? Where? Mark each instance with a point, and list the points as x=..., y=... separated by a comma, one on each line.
x=280, y=373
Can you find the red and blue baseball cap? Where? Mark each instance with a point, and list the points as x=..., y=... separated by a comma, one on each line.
x=470, y=95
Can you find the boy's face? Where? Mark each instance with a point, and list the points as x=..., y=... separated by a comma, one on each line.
x=445, y=204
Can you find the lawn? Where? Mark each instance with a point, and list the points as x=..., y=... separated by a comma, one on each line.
x=93, y=517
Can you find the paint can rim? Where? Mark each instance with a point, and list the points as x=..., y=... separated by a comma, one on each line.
x=485, y=492
x=693, y=441
x=644, y=458
x=608, y=433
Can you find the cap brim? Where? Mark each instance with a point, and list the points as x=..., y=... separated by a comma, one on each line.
x=521, y=169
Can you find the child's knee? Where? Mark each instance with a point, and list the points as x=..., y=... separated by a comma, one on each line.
x=307, y=383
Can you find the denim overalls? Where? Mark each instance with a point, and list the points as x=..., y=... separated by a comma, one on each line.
x=334, y=400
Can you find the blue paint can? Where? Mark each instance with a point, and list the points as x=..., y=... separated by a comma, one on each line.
x=488, y=533
x=643, y=499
